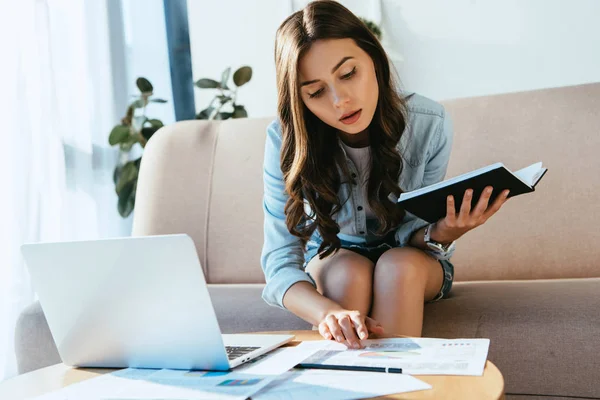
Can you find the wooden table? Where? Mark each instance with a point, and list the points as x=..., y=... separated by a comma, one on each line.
x=488, y=386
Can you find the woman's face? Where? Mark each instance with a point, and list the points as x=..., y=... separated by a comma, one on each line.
x=339, y=85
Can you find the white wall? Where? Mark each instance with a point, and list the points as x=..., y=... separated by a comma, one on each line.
x=440, y=49
x=466, y=48
x=236, y=33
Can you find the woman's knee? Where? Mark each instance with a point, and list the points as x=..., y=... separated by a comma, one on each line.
x=343, y=274
x=402, y=266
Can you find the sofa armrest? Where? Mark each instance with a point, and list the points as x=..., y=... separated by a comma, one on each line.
x=34, y=345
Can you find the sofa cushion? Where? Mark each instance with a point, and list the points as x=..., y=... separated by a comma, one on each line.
x=544, y=333
x=240, y=308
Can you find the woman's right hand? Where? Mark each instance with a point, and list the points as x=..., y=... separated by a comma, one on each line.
x=348, y=327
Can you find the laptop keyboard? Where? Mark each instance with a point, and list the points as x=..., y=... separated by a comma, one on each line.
x=234, y=352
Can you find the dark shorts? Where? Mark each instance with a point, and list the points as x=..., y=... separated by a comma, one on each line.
x=373, y=251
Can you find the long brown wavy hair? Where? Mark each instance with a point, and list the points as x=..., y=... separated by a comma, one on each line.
x=312, y=161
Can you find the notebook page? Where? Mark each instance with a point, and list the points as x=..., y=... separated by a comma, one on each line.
x=530, y=174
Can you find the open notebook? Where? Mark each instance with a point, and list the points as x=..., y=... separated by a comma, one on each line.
x=429, y=203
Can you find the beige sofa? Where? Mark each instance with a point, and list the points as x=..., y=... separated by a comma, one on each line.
x=528, y=279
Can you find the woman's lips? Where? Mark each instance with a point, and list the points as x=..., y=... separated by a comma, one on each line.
x=352, y=118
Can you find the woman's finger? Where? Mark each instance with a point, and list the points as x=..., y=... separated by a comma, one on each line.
x=483, y=202
x=500, y=200
x=360, y=326
x=324, y=331
x=450, y=208
x=335, y=329
x=349, y=332
x=465, y=207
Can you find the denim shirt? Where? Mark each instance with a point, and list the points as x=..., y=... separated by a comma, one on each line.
x=425, y=148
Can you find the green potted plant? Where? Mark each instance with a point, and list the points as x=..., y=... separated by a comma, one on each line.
x=135, y=127
x=224, y=105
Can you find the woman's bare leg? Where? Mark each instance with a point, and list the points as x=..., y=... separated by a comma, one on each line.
x=404, y=278
x=344, y=277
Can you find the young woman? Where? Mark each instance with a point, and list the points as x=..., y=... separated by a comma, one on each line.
x=338, y=251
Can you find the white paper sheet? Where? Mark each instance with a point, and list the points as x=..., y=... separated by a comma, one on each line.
x=283, y=359
x=164, y=384
x=241, y=383
x=416, y=356
x=337, y=385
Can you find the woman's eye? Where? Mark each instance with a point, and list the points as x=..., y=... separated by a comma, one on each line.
x=349, y=74
x=320, y=91
x=316, y=94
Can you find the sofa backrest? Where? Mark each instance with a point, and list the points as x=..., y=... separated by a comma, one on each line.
x=204, y=178
x=555, y=231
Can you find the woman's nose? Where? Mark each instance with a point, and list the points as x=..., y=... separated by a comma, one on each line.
x=340, y=98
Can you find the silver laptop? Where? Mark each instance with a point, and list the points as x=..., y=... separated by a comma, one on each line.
x=135, y=302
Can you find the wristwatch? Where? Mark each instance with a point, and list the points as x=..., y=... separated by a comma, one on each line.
x=437, y=247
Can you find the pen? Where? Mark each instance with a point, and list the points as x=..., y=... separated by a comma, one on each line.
x=388, y=370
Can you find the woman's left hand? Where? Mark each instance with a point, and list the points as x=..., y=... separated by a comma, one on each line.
x=454, y=226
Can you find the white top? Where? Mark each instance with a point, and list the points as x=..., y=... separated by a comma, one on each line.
x=361, y=157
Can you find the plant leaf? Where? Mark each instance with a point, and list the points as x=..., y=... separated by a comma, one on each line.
x=225, y=77
x=148, y=132
x=126, y=201
x=206, y=83
x=242, y=76
x=131, y=202
x=117, y=173
x=239, y=112
x=223, y=115
x=128, y=144
x=129, y=174
x=158, y=100
x=157, y=123
x=119, y=134
x=204, y=114
x=144, y=85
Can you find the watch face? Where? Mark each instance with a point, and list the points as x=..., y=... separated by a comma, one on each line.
x=440, y=248
x=435, y=246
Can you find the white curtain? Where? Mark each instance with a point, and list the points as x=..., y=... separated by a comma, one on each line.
x=57, y=107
